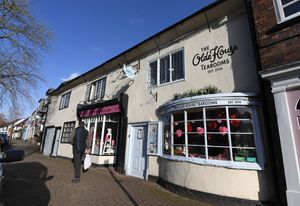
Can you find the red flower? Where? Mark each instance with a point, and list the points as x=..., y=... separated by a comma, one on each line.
x=212, y=125
x=234, y=123
x=189, y=127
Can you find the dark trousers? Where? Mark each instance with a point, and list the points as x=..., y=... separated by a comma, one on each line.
x=77, y=157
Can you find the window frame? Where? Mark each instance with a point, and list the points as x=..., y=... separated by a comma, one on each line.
x=170, y=69
x=157, y=139
x=67, y=132
x=65, y=101
x=280, y=12
x=94, y=87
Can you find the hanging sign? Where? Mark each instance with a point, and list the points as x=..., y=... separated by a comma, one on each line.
x=129, y=71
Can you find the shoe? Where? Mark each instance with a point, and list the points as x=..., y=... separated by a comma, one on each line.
x=75, y=180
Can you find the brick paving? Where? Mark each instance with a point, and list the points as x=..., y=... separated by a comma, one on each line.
x=42, y=180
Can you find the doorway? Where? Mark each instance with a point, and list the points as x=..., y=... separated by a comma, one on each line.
x=138, y=152
x=56, y=141
x=48, y=140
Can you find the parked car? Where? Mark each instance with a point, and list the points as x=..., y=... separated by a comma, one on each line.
x=10, y=155
x=4, y=141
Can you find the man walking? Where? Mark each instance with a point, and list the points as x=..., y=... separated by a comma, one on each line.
x=81, y=144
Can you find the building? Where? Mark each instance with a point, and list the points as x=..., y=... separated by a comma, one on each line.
x=278, y=36
x=183, y=107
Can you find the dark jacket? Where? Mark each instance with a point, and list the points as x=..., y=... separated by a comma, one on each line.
x=79, y=139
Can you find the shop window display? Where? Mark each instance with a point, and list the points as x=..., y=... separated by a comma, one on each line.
x=212, y=133
x=104, y=136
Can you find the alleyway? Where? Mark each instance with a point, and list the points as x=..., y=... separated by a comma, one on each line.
x=42, y=180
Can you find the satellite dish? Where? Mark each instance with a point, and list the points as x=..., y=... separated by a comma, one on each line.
x=129, y=71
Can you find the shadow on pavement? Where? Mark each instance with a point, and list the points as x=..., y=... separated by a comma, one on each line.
x=123, y=188
x=24, y=184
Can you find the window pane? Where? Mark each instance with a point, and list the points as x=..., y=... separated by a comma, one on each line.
x=195, y=127
x=110, y=138
x=179, y=133
x=237, y=126
x=179, y=150
x=217, y=140
x=98, y=138
x=153, y=73
x=218, y=126
x=196, y=152
x=240, y=113
x=195, y=139
x=220, y=153
x=285, y=1
x=103, y=85
x=244, y=155
x=292, y=9
x=152, y=138
x=195, y=114
x=177, y=64
x=215, y=113
x=178, y=116
x=164, y=69
x=167, y=139
x=242, y=140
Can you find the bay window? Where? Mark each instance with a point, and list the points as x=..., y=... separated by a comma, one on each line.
x=167, y=69
x=226, y=135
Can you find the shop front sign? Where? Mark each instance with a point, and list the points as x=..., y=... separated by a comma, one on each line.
x=214, y=59
x=100, y=111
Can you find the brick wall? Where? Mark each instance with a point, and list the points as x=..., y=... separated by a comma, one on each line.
x=278, y=44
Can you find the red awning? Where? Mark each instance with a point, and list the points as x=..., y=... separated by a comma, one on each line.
x=100, y=111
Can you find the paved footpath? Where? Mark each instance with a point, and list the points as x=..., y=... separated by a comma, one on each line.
x=42, y=180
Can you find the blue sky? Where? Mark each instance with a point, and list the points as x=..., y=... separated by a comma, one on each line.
x=89, y=32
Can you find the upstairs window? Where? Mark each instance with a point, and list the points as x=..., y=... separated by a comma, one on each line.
x=287, y=9
x=97, y=89
x=65, y=99
x=167, y=69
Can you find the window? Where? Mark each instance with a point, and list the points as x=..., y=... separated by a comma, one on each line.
x=167, y=69
x=67, y=130
x=97, y=89
x=222, y=135
x=287, y=9
x=153, y=129
x=65, y=99
x=103, y=134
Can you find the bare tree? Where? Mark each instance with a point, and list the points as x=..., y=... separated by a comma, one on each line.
x=21, y=40
x=2, y=119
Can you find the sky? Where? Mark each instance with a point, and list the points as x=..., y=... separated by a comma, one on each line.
x=87, y=33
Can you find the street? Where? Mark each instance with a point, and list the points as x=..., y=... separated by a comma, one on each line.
x=43, y=180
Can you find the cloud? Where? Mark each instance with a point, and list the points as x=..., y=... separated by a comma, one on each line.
x=136, y=20
x=96, y=49
x=72, y=76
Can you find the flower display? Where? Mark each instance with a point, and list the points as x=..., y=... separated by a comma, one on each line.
x=223, y=130
x=179, y=133
x=212, y=125
x=200, y=131
x=234, y=123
